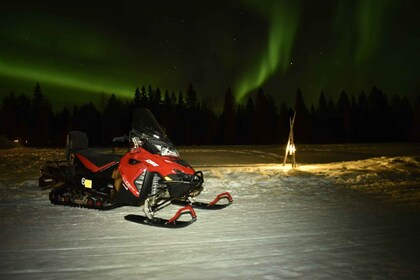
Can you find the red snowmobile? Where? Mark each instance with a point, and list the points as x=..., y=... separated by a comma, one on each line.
x=150, y=174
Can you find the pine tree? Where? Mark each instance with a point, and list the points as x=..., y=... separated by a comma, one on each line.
x=250, y=122
x=344, y=111
x=137, y=98
x=302, y=125
x=261, y=125
x=9, y=117
x=414, y=133
x=144, y=100
x=41, y=116
x=228, y=119
x=24, y=116
x=191, y=98
x=379, y=115
x=322, y=131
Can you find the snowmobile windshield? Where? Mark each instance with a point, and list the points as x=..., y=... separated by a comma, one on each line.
x=145, y=122
x=150, y=133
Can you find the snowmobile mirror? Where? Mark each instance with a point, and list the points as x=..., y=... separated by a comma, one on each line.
x=120, y=139
x=137, y=142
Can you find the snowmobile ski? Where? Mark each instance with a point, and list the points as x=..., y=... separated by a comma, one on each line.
x=174, y=222
x=208, y=206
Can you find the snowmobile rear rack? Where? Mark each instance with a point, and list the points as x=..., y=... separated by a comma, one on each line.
x=53, y=173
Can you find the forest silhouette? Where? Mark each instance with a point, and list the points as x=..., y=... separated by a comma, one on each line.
x=368, y=117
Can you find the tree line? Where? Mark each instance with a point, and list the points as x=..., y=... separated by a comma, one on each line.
x=368, y=117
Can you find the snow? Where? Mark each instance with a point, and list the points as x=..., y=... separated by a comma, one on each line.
x=346, y=211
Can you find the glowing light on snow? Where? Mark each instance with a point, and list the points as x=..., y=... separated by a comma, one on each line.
x=292, y=149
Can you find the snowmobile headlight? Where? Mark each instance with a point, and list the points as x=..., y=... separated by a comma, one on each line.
x=169, y=152
x=166, y=151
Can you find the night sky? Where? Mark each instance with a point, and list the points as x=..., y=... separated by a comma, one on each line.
x=79, y=50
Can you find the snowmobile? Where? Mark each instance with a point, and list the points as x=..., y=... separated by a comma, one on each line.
x=150, y=174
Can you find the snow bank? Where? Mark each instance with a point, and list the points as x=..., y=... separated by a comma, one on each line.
x=253, y=167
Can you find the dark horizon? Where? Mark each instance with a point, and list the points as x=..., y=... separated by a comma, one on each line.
x=369, y=117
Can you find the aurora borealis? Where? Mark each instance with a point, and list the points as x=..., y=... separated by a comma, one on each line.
x=283, y=19
x=81, y=50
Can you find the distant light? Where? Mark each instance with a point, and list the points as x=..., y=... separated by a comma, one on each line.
x=292, y=149
x=16, y=141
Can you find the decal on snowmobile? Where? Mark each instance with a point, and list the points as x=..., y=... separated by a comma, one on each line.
x=150, y=175
x=87, y=183
x=129, y=186
x=149, y=161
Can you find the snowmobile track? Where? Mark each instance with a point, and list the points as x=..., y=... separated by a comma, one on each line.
x=90, y=203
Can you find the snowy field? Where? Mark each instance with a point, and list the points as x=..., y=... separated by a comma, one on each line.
x=346, y=212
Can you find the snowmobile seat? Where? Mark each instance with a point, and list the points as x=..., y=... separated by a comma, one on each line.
x=96, y=160
x=77, y=144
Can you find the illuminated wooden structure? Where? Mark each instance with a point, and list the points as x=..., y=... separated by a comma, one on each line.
x=290, y=147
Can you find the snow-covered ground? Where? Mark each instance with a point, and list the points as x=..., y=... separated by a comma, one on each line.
x=346, y=212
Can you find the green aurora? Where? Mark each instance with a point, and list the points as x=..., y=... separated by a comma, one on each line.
x=283, y=18
x=79, y=52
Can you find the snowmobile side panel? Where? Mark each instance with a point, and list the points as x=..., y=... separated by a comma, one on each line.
x=91, y=166
x=125, y=196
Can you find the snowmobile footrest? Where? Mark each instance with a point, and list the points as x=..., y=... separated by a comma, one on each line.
x=225, y=195
x=208, y=206
x=181, y=211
